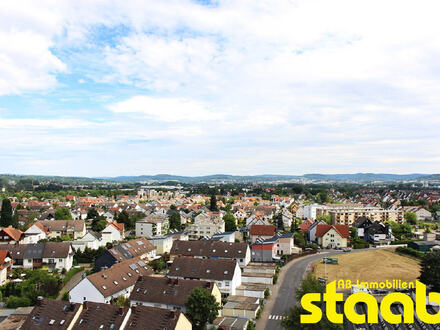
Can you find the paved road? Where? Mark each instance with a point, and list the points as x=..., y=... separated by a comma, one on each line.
x=283, y=294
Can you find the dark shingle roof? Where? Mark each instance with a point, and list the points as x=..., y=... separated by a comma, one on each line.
x=94, y=315
x=209, y=249
x=211, y=269
x=162, y=290
x=51, y=314
x=152, y=318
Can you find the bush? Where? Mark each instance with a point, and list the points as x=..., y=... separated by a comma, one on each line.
x=15, y=302
x=275, y=278
x=266, y=293
x=65, y=296
x=410, y=252
x=251, y=325
x=260, y=311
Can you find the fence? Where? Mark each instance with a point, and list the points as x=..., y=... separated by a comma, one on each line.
x=296, y=256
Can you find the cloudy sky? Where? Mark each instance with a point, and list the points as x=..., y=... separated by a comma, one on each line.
x=104, y=88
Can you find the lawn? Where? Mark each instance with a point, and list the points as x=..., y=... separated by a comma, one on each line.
x=376, y=265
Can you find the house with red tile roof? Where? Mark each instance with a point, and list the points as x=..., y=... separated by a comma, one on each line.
x=332, y=236
x=261, y=231
x=10, y=235
x=304, y=227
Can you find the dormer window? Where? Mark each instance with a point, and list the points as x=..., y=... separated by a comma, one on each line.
x=115, y=282
x=104, y=287
x=124, y=278
x=129, y=274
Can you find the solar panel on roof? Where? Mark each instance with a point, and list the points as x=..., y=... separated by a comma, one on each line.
x=133, y=266
x=141, y=263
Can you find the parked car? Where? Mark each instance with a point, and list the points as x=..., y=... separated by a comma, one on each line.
x=347, y=249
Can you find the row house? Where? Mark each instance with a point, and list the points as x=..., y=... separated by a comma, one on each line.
x=58, y=314
x=225, y=273
x=107, y=285
x=139, y=247
x=58, y=228
x=55, y=255
x=168, y=293
x=239, y=252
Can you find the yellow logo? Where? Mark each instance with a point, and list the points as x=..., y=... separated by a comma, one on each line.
x=331, y=297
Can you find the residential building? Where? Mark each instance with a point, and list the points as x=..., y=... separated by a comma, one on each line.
x=168, y=293
x=139, y=247
x=52, y=314
x=108, y=284
x=239, y=306
x=58, y=228
x=310, y=211
x=332, y=236
x=261, y=232
x=225, y=273
x=5, y=266
x=155, y=224
x=286, y=244
x=55, y=255
x=152, y=318
x=35, y=233
x=305, y=225
x=162, y=244
x=239, y=252
x=264, y=250
x=346, y=214
x=206, y=225
x=114, y=232
x=10, y=235
x=91, y=240
x=101, y=316
x=228, y=236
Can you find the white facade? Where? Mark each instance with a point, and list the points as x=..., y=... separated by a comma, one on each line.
x=85, y=290
x=150, y=229
x=162, y=244
x=111, y=234
x=33, y=235
x=88, y=241
x=310, y=211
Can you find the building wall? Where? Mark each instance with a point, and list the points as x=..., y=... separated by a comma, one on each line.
x=85, y=289
x=332, y=238
x=183, y=323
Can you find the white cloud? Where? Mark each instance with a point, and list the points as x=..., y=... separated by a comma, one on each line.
x=166, y=109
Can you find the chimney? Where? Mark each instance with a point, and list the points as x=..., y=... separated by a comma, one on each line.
x=85, y=305
x=172, y=315
x=72, y=307
x=140, y=278
x=133, y=309
x=39, y=300
x=121, y=311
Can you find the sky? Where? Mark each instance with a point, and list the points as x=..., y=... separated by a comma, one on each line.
x=109, y=88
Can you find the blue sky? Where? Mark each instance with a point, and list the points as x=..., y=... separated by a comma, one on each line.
x=106, y=88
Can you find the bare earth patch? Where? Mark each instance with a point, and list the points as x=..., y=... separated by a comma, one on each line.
x=376, y=265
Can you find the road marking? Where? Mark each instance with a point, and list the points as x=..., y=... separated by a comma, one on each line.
x=276, y=317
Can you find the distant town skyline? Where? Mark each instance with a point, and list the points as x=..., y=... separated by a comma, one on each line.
x=92, y=88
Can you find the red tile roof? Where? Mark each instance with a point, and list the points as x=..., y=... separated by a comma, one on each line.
x=3, y=255
x=342, y=230
x=263, y=230
x=15, y=234
x=305, y=225
x=118, y=226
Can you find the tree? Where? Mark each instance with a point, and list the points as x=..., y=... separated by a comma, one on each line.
x=292, y=320
x=353, y=233
x=213, y=203
x=430, y=272
x=201, y=307
x=92, y=213
x=326, y=218
x=299, y=239
x=99, y=225
x=63, y=213
x=230, y=222
x=6, y=213
x=175, y=221
x=411, y=218
x=400, y=230
x=122, y=301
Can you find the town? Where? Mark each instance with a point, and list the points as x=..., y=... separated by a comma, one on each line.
x=173, y=255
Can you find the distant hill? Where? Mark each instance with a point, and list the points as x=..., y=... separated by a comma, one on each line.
x=365, y=177
x=357, y=177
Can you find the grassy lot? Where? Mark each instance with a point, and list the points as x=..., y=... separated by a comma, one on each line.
x=376, y=265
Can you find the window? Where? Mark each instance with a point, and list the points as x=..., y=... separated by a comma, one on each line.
x=227, y=283
x=60, y=260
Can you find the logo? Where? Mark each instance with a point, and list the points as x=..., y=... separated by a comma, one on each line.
x=331, y=297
